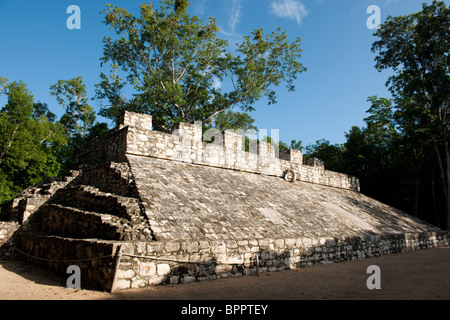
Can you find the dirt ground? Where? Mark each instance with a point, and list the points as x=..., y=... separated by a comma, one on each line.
x=420, y=275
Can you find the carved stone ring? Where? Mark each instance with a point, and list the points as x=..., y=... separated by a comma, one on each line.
x=289, y=175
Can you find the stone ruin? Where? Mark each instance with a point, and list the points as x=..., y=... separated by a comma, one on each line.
x=145, y=208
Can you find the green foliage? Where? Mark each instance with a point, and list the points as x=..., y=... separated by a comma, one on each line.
x=234, y=121
x=79, y=116
x=331, y=155
x=78, y=119
x=75, y=145
x=171, y=60
x=29, y=141
x=417, y=48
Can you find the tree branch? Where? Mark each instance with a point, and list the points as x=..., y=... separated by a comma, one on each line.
x=10, y=142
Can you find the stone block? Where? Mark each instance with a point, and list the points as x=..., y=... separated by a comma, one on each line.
x=190, y=246
x=163, y=269
x=290, y=243
x=172, y=246
x=154, y=281
x=147, y=269
x=279, y=244
x=263, y=243
x=219, y=248
x=122, y=284
x=174, y=279
x=139, y=283
x=140, y=247
x=223, y=269
x=204, y=244
x=187, y=279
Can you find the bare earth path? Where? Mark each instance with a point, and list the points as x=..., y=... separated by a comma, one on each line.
x=423, y=275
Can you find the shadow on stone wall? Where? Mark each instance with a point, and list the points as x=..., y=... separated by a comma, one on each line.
x=389, y=218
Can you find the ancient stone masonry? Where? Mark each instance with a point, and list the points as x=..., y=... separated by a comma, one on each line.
x=186, y=145
x=144, y=208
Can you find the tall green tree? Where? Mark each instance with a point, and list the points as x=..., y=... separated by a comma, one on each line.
x=29, y=141
x=394, y=167
x=234, y=120
x=416, y=47
x=331, y=155
x=171, y=61
x=71, y=95
x=3, y=85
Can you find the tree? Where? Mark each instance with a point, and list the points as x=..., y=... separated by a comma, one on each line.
x=79, y=116
x=76, y=144
x=234, y=120
x=3, y=85
x=172, y=60
x=417, y=48
x=330, y=154
x=29, y=142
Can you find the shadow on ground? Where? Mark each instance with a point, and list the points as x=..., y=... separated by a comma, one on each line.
x=34, y=273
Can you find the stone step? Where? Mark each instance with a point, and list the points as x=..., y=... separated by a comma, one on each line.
x=92, y=199
x=110, y=177
x=27, y=202
x=72, y=222
x=96, y=258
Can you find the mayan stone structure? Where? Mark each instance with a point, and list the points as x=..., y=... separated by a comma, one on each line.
x=144, y=208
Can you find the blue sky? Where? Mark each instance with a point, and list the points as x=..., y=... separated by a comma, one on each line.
x=330, y=98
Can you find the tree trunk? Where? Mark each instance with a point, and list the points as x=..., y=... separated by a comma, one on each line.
x=416, y=202
x=416, y=194
x=445, y=177
x=433, y=194
x=447, y=156
x=9, y=144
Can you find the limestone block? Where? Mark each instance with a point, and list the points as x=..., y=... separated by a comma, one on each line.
x=163, y=269
x=139, y=283
x=279, y=244
x=122, y=284
x=172, y=246
x=290, y=243
x=223, y=269
x=187, y=279
x=154, y=281
x=147, y=269
x=219, y=248
x=190, y=246
x=125, y=274
x=174, y=279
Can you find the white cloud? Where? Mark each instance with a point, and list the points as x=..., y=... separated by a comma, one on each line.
x=217, y=84
x=235, y=15
x=200, y=7
x=291, y=9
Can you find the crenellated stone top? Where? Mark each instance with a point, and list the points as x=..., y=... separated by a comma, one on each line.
x=186, y=144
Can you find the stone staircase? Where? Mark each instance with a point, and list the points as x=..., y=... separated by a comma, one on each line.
x=86, y=212
x=78, y=219
x=100, y=203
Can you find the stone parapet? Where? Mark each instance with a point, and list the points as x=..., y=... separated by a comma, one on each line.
x=185, y=144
